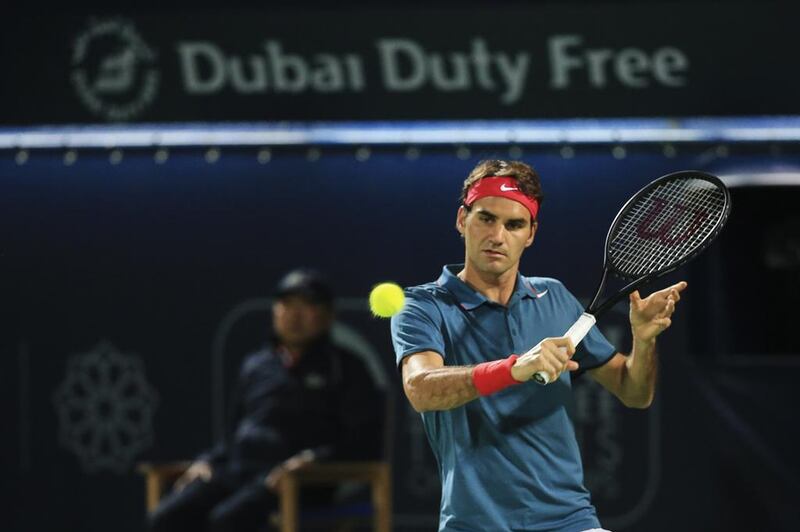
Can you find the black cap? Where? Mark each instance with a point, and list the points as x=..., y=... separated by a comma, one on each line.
x=308, y=283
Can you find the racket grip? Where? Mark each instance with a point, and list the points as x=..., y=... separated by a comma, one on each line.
x=581, y=328
x=576, y=333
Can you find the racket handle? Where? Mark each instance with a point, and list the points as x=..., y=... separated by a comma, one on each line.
x=576, y=333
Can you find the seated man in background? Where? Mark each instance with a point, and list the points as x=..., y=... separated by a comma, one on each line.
x=298, y=400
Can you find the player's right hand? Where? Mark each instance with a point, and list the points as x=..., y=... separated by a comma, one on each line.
x=551, y=355
x=198, y=470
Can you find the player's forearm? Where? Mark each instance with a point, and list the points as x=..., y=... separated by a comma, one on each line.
x=641, y=370
x=441, y=388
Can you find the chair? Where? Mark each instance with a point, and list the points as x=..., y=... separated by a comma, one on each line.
x=376, y=474
x=159, y=477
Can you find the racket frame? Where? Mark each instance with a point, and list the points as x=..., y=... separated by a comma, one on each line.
x=587, y=320
x=636, y=282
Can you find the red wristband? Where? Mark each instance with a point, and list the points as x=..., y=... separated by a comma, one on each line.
x=491, y=377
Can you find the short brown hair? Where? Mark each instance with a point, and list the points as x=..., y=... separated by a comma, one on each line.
x=526, y=176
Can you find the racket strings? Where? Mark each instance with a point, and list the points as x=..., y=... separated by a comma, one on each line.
x=659, y=249
x=700, y=230
x=632, y=250
x=664, y=231
x=665, y=225
x=660, y=255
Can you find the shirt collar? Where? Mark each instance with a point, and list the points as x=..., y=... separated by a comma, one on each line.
x=468, y=298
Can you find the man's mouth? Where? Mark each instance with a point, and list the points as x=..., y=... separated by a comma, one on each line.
x=494, y=253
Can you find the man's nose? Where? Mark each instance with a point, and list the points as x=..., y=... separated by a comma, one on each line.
x=497, y=235
x=294, y=315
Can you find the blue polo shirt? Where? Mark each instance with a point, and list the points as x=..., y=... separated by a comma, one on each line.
x=509, y=461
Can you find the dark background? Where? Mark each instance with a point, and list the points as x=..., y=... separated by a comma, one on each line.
x=153, y=259
x=154, y=269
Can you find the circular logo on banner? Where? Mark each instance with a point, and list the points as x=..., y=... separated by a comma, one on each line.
x=113, y=70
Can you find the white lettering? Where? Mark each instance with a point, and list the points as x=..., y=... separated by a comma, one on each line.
x=392, y=51
x=407, y=66
x=289, y=72
x=239, y=79
x=329, y=75
x=597, y=61
x=669, y=63
x=355, y=72
x=514, y=76
x=482, y=61
x=191, y=55
x=630, y=67
x=630, y=64
x=459, y=80
x=560, y=61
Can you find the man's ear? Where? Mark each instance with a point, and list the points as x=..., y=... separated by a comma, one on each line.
x=461, y=215
x=534, y=227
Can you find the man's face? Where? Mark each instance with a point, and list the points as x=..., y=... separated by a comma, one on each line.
x=297, y=322
x=496, y=232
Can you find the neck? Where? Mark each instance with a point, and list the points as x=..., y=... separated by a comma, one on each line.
x=495, y=287
x=291, y=354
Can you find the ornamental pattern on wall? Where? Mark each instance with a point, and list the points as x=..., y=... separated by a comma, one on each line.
x=105, y=408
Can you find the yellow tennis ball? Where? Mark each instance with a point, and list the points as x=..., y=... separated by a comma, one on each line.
x=386, y=300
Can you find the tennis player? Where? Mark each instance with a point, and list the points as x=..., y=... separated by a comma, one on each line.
x=506, y=450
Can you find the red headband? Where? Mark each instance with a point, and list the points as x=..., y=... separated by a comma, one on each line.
x=504, y=187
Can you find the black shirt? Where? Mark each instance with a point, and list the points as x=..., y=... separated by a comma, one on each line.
x=327, y=401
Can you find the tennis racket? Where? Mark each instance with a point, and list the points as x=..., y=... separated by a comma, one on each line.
x=663, y=226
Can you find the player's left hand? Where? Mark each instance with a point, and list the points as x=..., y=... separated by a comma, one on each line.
x=294, y=463
x=652, y=315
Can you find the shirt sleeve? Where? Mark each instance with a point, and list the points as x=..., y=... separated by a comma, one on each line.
x=595, y=349
x=417, y=327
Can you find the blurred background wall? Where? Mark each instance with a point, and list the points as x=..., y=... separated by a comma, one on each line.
x=162, y=165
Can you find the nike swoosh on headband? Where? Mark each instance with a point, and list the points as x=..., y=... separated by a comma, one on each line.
x=505, y=188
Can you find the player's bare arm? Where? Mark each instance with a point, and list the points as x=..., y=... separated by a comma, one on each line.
x=430, y=385
x=632, y=378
